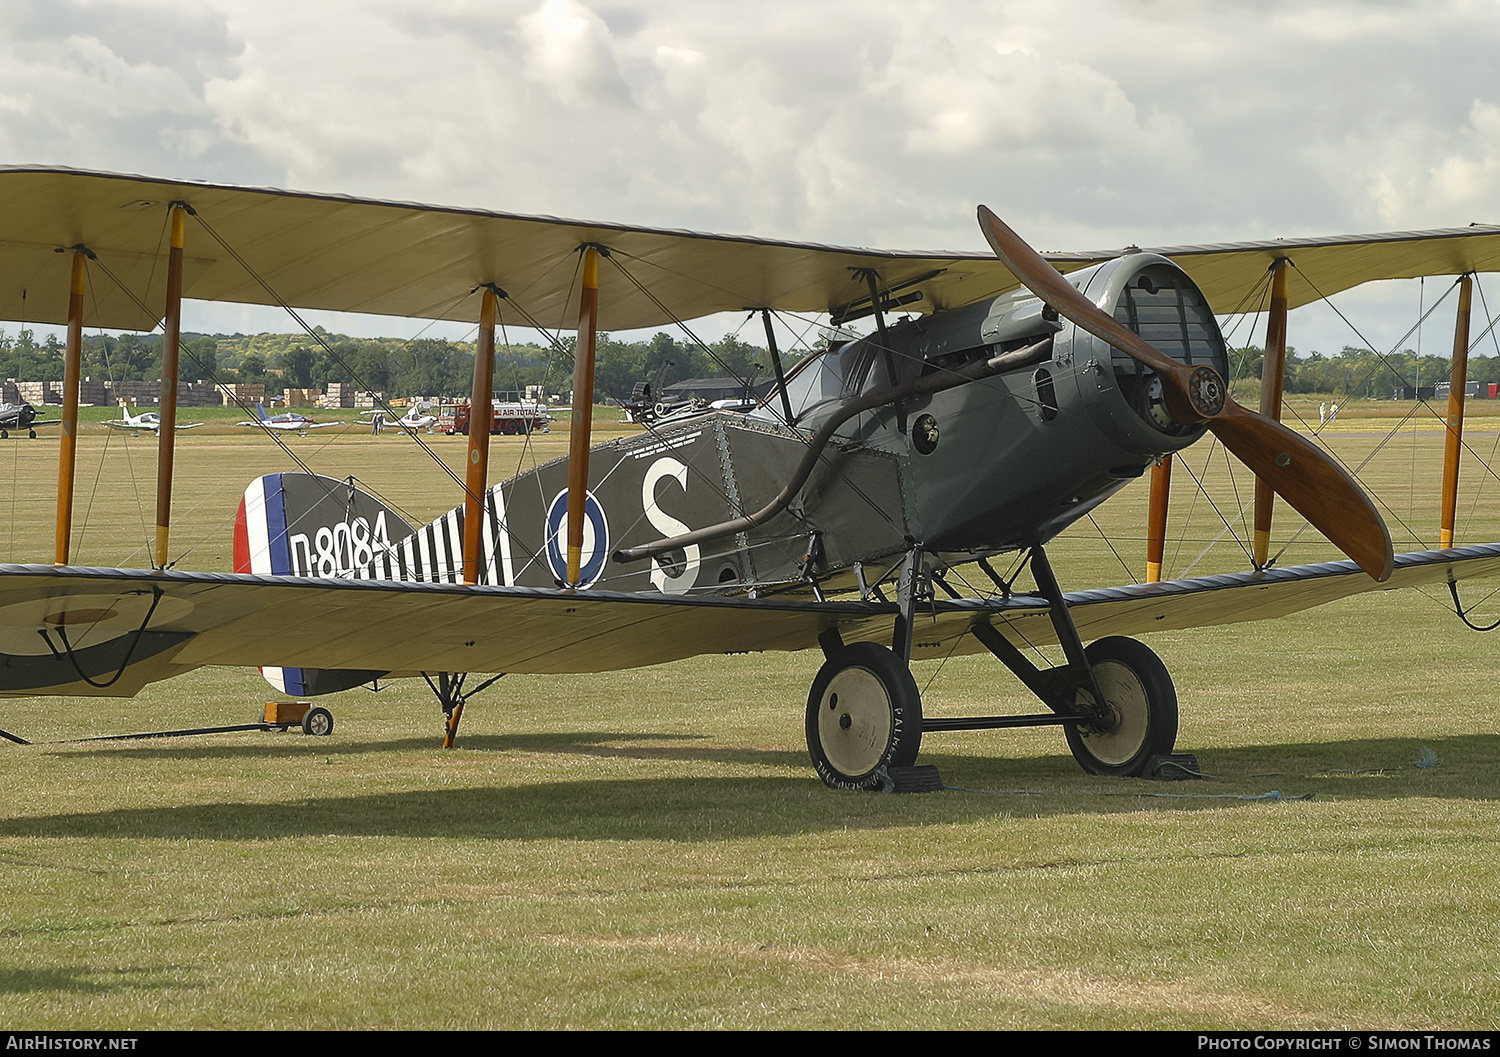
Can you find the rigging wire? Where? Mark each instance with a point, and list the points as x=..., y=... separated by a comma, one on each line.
x=312, y=333
x=1108, y=543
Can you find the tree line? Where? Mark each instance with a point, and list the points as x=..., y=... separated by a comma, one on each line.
x=438, y=367
x=423, y=366
x=1356, y=372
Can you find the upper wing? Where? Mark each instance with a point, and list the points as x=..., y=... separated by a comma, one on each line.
x=186, y=620
x=407, y=259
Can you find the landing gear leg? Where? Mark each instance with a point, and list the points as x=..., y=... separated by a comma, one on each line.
x=449, y=690
x=1142, y=706
x=1115, y=697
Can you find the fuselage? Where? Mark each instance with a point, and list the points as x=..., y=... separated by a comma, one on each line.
x=1011, y=460
x=1004, y=461
x=1040, y=423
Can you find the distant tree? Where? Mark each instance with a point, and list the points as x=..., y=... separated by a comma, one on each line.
x=199, y=358
x=297, y=367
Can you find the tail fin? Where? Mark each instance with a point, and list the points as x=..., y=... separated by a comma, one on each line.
x=301, y=524
x=260, y=412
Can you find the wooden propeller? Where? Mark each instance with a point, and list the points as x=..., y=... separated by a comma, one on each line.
x=1295, y=468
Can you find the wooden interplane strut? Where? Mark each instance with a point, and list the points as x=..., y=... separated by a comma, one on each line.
x=68, y=447
x=1156, y=527
x=1272, y=386
x=1457, y=379
x=583, y=413
x=481, y=417
x=166, y=435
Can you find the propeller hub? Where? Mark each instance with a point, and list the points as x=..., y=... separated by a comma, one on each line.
x=1206, y=391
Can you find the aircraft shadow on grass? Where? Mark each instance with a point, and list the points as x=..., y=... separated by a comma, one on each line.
x=722, y=808
x=87, y=979
x=576, y=743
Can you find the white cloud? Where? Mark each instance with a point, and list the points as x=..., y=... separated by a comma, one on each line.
x=1088, y=123
x=569, y=50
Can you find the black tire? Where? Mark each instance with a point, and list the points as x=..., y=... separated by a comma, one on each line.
x=31, y=433
x=1140, y=693
x=864, y=715
x=318, y=722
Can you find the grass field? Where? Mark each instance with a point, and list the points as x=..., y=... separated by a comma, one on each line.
x=652, y=849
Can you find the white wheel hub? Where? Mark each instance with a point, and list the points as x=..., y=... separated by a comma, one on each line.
x=854, y=721
x=1125, y=695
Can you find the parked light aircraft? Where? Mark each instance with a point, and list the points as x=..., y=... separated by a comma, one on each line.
x=150, y=421
x=419, y=416
x=21, y=416
x=289, y=421
x=1025, y=393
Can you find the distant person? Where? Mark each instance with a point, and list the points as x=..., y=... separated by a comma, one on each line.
x=1323, y=413
x=1333, y=412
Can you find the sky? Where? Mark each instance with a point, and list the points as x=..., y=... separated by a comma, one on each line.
x=1086, y=124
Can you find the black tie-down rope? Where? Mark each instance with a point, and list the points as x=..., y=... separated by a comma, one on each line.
x=67, y=650
x=1463, y=614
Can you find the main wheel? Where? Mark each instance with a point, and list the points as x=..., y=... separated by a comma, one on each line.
x=318, y=722
x=864, y=714
x=1143, y=702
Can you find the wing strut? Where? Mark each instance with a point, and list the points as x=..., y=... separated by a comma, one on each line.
x=67, y=449
x=476, y=495
x=583, y=412
x=1456, y=382
x=786, y=400
x=1272, y=385
x=166, y=435
x=1156, y=518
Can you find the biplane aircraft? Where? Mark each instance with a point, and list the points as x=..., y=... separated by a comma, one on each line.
x=1020, y=393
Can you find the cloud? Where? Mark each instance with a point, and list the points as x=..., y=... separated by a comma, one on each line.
x=82, y=84
x=1087, y=123
x=569, y=50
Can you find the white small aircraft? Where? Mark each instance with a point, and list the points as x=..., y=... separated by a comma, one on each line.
x=418, y=417
x=149, y=421
x=289, y=420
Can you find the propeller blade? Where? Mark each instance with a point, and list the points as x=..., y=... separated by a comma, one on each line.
x=1295, y=468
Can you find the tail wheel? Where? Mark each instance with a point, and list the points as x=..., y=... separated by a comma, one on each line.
x=1143, y=703
x=864, y=715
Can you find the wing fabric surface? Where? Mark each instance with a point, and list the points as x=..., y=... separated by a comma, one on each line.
x=407, y=259
x=228, y=619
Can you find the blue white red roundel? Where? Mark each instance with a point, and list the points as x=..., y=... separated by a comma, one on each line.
x=595, y=539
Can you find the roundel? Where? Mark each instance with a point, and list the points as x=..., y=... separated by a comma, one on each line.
x=595, y=539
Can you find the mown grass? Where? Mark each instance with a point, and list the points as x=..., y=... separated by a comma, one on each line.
x=651, y=849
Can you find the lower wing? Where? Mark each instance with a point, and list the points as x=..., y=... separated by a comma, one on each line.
x=109, y=632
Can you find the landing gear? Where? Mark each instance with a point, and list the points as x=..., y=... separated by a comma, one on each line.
x=1141, y=702
x=864, y=715
x=318, y=722
x=449, y=690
